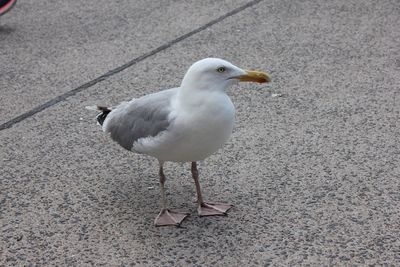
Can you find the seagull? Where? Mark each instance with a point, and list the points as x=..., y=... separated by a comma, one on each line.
x=183, y=124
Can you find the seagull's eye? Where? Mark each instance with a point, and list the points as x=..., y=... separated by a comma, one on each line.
x=221, y=69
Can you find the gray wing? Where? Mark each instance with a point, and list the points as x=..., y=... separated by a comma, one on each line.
x=143, y=117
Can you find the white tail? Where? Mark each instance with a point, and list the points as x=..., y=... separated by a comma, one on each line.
x=95, y=108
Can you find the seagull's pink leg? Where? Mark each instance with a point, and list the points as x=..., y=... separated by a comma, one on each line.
x=205, y=208
x=167, y=217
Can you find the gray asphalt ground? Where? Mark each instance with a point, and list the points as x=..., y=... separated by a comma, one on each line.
x=314, y=173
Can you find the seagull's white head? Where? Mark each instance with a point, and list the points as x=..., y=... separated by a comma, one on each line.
x=219, y=74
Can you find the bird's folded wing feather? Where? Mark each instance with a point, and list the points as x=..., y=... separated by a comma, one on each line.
x=143, y=117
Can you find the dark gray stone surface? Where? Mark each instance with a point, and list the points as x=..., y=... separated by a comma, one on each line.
x=314, y=173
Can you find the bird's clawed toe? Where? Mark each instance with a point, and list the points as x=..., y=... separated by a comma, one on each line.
x=212, y=209
x=168, y=217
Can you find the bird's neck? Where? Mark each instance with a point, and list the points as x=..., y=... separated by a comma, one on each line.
x=194, y=98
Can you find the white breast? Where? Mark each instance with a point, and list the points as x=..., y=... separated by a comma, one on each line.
x=196, y=132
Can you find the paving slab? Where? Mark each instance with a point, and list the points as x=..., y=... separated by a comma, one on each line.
x=48, y=48
x=312, y=166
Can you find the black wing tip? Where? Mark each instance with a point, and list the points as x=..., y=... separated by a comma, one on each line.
x=103, y=115
x=103, y=109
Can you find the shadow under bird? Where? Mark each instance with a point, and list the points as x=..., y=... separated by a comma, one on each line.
x=182, y=124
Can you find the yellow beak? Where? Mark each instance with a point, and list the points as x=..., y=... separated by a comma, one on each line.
x=254, y=76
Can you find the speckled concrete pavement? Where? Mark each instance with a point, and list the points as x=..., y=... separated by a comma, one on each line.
x=314, y=173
